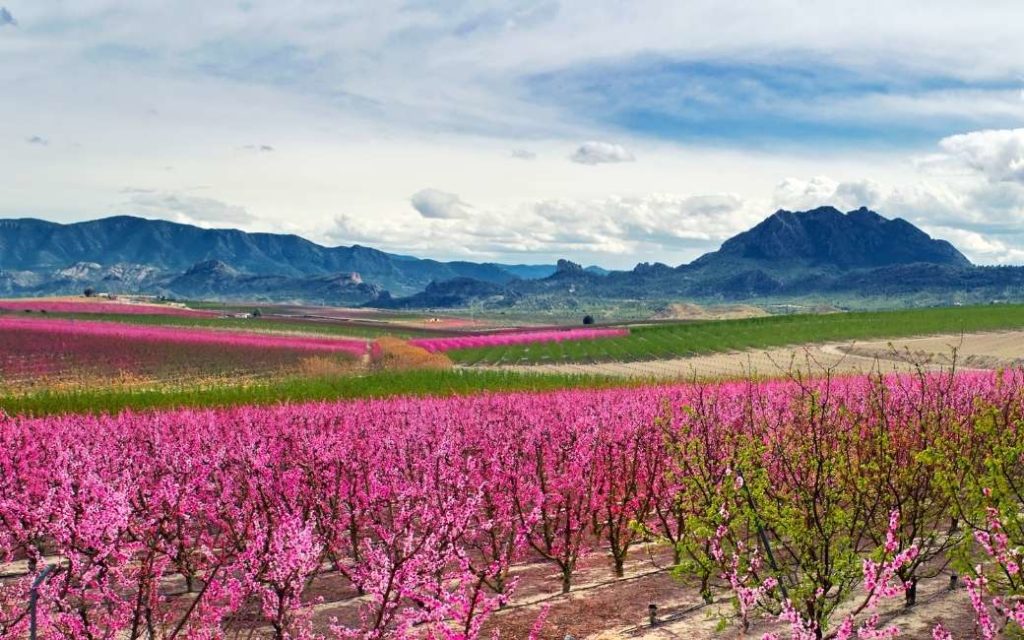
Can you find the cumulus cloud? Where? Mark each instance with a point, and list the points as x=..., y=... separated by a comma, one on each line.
x=435, y=204
x=980, y=248
x=594, y=152
x=935, y=202
x=523, y=154
x=184, y=208
x=458, y=88
x=37, y=140
x=614, y=231
x=6, y=19
x=998, y=154
x=800, y=195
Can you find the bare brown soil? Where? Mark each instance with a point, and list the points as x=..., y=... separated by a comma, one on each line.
x=601, y=606
x=968, y=351
x=808, y=360
x=975, y=350
x=689, y=311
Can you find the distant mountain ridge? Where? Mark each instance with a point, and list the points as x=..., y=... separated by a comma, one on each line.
x=168, y=249
x=821, y=252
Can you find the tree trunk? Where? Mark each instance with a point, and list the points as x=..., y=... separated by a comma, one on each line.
x=910, y=599
x=705, y=587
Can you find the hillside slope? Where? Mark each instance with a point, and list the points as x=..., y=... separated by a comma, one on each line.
x=47, y=248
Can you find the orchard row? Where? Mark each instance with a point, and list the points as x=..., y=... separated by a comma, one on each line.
x=794, y=496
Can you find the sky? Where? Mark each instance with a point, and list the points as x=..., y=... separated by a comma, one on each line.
x=607, y=131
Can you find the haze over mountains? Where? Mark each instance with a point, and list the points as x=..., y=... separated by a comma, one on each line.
x=822, y=252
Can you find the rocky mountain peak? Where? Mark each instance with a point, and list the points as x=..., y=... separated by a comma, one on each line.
x=826, y=237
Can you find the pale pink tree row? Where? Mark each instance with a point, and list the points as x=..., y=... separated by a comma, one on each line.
x=515, y=337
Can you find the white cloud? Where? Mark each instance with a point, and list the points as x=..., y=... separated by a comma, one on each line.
x=800, y=195
x=980, y=248
x=367, y=102
x=185, y=208
x=600, y=153
x=431, y=203
x=616, y=231
x=998, y=154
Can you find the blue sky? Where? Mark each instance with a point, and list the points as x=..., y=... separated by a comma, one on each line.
x=793, y=102
x=526, y=130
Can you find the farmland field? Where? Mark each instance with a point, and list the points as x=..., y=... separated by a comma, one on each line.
x=48, y=351
x=112, y=397
x=985, y=350
x=806, y=360
x=217, y=479
x=989, y=350
x=511, y=320
x=677, y=340
x=262, y=324
x=78, y=306
x=507, y=338
x=401, y=517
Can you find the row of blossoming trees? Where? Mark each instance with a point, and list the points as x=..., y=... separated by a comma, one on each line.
x=806, y=501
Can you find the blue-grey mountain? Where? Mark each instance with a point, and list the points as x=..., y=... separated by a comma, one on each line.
x=129, y=254
x=822, y=253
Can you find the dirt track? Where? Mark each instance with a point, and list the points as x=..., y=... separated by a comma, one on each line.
x=972, y=351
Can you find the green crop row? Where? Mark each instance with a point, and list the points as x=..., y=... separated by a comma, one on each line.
x=662, y=341
x=375, y=385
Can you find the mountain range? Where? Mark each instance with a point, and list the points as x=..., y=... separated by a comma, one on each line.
x=823, y=252
x=125, y=254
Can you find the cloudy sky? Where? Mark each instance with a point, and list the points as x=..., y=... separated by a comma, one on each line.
x=607, y=131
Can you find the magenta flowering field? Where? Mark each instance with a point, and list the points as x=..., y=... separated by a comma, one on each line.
x=407, y=516
x=177, y=335
x=33, y=348
x=84, y=306
x=515, y=337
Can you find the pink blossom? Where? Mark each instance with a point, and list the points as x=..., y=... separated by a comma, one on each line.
x=118, y=308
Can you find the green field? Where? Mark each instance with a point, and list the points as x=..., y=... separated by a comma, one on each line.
x=375, y=385
x=676, y=340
